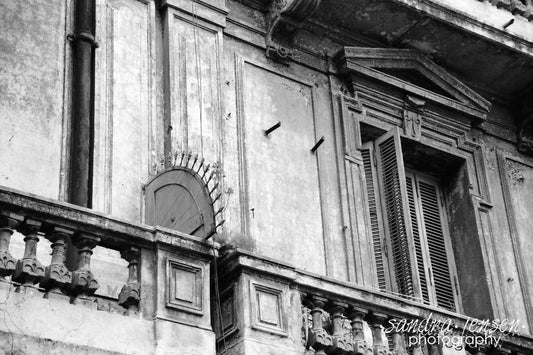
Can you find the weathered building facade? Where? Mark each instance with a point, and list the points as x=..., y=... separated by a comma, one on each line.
x=264, y=176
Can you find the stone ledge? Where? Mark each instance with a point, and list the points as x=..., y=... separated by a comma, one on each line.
x=115, y=232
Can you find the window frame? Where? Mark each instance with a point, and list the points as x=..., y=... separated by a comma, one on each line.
x=386, y=248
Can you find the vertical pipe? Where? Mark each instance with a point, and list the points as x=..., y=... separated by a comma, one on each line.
x=81, y=158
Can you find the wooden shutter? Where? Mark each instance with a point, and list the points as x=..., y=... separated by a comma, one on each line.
x=391, y=174
x=418, y=237
x=367, y=153
x=438, y=253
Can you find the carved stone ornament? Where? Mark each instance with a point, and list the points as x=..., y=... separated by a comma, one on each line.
x=413, y=113
x=284, y=19
x=525, y=136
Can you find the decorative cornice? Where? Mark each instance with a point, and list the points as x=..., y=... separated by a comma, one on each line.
x=283, y=21
x=374, y=62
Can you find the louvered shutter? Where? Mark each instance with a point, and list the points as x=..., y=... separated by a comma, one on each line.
x=391, y=174
x=418, y=237
x=432, y=223
x=375, y=225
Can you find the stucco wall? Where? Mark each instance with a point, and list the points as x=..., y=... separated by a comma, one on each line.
x=192, y=81
x=33, y=95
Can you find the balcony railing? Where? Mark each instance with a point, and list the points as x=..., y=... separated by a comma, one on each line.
x=64, y=226
x=343, y=318
x=522, y=8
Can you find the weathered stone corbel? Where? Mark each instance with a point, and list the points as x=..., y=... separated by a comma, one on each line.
x=413, y=113
x=284, y=19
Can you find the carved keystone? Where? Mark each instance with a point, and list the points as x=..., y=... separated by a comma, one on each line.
x=29, y=270
x=130, y=295
x=83, y=281
x=56, y=276
x=413, y=113
x=8, y=222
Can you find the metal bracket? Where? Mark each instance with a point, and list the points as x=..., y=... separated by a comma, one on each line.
x=83, y=36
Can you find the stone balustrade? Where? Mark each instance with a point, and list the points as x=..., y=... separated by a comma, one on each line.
x=68, y=227
x=335, y=326
x=522, y=8
x=28, y=275
x=338, y=317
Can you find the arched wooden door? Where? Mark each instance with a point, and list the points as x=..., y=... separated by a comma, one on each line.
x=178, y=199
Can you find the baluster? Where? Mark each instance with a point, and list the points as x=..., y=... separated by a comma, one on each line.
x=341, y=339
x=29, y=270
x=57, y=277
x=356, y=316
x=434, y=349
x=398, y=343
x=130, y=295
x=319, y=339
x=83, y=282
x=8, y=222
x=376, y=321
x=417, y=350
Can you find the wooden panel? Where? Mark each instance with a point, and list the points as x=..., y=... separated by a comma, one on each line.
x=362, y=234
x=177, y=199
x=374, y=211
x=433, y=223
x=123, y=106
x=194, y=50
x=419, y=240
x=391, y=173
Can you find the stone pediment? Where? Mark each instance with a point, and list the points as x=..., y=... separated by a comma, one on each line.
x=411, y=72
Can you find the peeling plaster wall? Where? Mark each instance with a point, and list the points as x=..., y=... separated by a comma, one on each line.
x=33, y=101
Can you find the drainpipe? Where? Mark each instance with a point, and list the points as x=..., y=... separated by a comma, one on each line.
x=82, y=128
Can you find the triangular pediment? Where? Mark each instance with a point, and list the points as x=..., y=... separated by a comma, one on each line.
x=410, y=71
